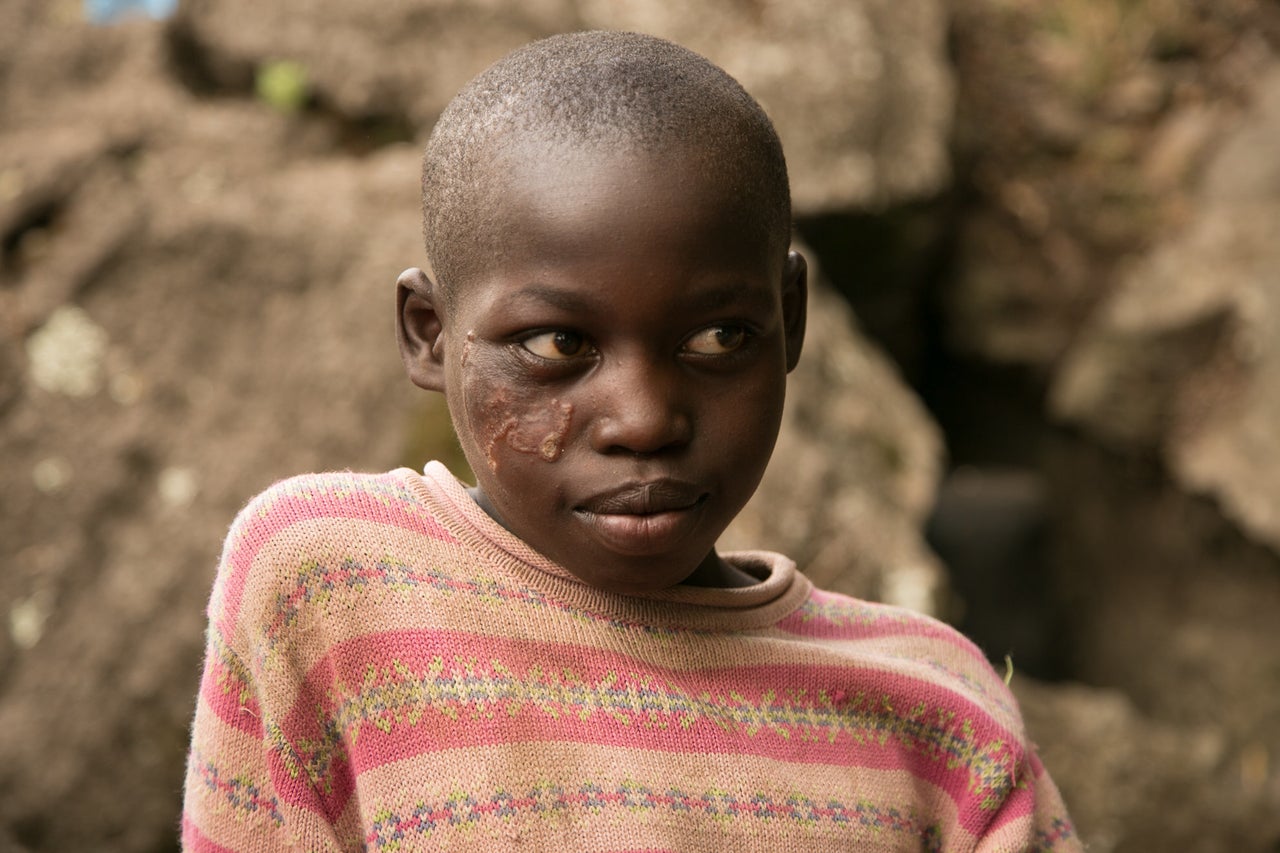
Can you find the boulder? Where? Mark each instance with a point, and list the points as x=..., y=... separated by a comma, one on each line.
x=190, y=310
x=1183, y=361
x=833, y=75
x=243, y=335
x=1161, y=599
x=1121, y=771
x=1170, y=567
x=1078, y=129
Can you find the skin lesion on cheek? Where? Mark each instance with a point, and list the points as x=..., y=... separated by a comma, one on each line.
x=537, y=430
x=507, y=415
x=466, y=348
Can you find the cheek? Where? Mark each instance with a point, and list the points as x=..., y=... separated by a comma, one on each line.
x=508, y=416
x=747, y=441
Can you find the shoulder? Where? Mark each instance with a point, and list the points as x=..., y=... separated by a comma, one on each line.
x=316, y=519
x=330, y=492
x=352, y=498
x=833, y=615
x=910, y=645
x=925, y=690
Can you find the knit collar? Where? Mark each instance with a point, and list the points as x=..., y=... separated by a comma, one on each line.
x=780, y=591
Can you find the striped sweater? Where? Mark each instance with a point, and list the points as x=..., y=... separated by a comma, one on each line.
x=389, y=669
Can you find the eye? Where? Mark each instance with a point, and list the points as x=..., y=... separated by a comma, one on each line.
x=716, y=340
x=557, y=345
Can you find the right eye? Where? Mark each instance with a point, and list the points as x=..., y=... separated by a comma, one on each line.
x=557, y=345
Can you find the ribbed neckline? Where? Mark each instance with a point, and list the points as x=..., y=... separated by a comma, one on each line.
x=778, y=594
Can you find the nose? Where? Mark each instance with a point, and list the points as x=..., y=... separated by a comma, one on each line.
x=640, y=409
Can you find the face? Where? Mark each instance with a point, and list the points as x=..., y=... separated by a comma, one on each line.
x=616, y=372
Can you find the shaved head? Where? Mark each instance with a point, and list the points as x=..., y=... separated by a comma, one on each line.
x=611, y=92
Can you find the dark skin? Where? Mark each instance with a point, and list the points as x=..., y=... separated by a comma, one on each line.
x=616, y=372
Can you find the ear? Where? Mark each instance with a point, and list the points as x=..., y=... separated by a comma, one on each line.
x=795, y=300
x=420, y=329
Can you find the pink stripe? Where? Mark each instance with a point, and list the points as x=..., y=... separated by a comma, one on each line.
x=1021, y=801
x=218, y=687
x=289, y=772
x=627, y=704
x=1019, y=805
x=286, y=506
x=195, y=841
x=295, y=787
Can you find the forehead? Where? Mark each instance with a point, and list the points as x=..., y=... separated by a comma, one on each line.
x=591, y=189
x=552, y=204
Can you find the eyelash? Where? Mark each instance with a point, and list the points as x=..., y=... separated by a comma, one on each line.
x=554, y=335
x=743, y=333
x=587, y=349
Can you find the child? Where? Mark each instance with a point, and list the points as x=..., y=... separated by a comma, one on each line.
x=558, y=658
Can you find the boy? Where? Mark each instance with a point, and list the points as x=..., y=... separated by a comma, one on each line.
x=558, y=657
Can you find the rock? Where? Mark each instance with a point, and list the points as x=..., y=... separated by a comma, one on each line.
x=855, y=470
x=397, y=58
x=65, y=355
x=1120, y=770
x=832, y=74
x=243, y=298
x=1179, y=144
x=1160, y=598
x=1138, y=96
x=1077, y=129
x=261, y=345
x=1184, y=359
x=1171, y=569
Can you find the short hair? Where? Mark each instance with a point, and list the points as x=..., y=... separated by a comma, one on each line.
x=627, y=91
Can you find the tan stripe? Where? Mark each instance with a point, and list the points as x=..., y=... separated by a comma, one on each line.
x=239, y=758
x=212, y=731
x=481, y=773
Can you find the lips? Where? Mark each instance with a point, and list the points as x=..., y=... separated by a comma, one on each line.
x=655, y=496
x=644, y=518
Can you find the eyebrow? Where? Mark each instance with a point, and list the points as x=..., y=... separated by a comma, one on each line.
x=731, y=294
x=565, y=300
x=710, y=299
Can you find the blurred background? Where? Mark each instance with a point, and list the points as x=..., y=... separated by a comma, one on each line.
x=1041, y=396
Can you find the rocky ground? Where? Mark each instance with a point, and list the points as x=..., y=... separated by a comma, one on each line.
x=1056, y=225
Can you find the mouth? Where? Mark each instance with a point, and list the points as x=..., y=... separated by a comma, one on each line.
x=647, y=498
x=644, y=518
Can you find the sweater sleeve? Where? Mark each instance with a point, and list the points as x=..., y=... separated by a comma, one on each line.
x=1033, y=818
x=230, y=802
x=241, y=793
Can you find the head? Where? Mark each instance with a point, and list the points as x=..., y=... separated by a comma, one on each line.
x=613, y=306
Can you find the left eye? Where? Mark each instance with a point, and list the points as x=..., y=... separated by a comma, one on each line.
x=716, y=340
x=556, y=345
